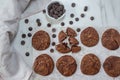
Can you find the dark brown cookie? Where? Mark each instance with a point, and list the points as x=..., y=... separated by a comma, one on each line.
x=112, y=66
x=62, y=36
x=73, y=41
x=66, y=65
x=43, y=65
x=41, y=40
x=63, y=48
x=90, y=64
x=75, y=49
x=70, y=32
x=110, y=39
x=89, y=37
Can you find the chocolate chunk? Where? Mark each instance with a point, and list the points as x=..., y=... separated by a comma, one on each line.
x=66, y=65
x=78, y=29
x=70, y=32
x=53, y=30
x=51, y=50
x=73, y=41
x=62, y=23
x=29, y=34
x=27, y=53
x=85, y=8
x=23, y=35
x=82, y=15
x=53, y=43
x=43, y=65
x=75, y=49
x=112, y=66
x=44, y=11
x=70, y=22
x=89, y=37
x=76, y=19
x=26, y=21
x=22, y=42
x=30, y=28
x=62, y=36
x=72, y=15
x=54, y=35
x=63, y=48
x=110, y=39
x=41, y=40
x=39, y=23
x=73, y=4
x=90, y=64
x=37, y=20
x=92, y=18
x=48, y=25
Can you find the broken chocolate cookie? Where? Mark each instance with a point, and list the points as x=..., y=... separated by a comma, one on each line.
x=62, y=36
x=73, y=41
x=70, y=32
x=63, y=48
x=75, y=49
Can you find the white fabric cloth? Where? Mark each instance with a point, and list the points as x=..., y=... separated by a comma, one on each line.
x=12, y=66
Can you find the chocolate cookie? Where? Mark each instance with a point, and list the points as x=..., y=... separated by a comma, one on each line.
x=63, y=48
x=41, y=40
x=73, y=41
x=43, y=65
x=62, y=36
x=110, y=39
x=90, y=64
x=112, y=66
x=89, y=37
x=75, y=49
x=66, y=65
x=70, y=32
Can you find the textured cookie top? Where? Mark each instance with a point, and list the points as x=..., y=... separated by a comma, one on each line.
x=112, y=66
x=90, y=64
x=43, y=65
x=41, y=40
x=66, y=65
x=111, y=39
x=89, y=37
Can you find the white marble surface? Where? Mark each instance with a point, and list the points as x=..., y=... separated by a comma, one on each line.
x=104, y=19
x=110, y=16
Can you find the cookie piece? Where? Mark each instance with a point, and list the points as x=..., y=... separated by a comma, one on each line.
x=70, y=32
x=75, y=49
x=66, y=65
x=43, y=65
x=112, y=66
x=90, y=64
x=63, y=48
x=110, y=39
x=62, y=36
x=89, y=37
x=73, y=41
x=41, y=40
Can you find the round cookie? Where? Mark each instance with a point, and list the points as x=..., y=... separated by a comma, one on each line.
x=66, y=65
x=41, y=40
x=89, y=37
x=110, y=39
x=43, y=65
x=112, y=66
x=90, y=64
